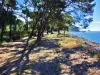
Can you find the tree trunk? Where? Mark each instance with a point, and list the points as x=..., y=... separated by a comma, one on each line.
x=58, y=31
x=3, y=23
x=10, y=33
x=47, y=31
x=43, y=22
x=1, y=7
x=52, y=30
x=26, y=25
x=39, y=36
x=15, y=28
x=2, y=33
x=64, y=32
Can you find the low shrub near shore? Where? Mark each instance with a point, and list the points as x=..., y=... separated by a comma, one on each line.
x=96, y=54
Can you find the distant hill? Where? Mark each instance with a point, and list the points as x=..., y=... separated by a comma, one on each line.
x=74, y=28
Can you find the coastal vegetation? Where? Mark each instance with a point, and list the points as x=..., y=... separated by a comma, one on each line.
x=35, y=39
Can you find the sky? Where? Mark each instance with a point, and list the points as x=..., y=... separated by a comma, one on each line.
x=95, y=25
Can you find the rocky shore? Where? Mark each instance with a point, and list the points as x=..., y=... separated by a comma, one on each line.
x=95, y=45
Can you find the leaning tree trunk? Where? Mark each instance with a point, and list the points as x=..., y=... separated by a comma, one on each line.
x=42, y=27
x=26, y=25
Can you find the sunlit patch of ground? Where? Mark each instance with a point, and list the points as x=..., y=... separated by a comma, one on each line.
x=46, y=55
x=8, y=50
x=70, y=42
x=93, y=71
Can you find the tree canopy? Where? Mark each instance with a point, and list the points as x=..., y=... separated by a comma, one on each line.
x=45, y=15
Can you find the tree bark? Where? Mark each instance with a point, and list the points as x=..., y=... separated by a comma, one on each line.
x=39, y=36
x=10, y=33
x=47, y=31
x=2, y=32
x=58, y=31
x=26, y=25
x=1, y=7
x=52, y=30
x=3, y=23
x=42, y=27
x=64, y=32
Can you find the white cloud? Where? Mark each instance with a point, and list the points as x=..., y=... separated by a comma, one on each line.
x=98, y=22
x=94, y=27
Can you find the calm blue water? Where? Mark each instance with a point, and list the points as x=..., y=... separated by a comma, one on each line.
x=92, y=36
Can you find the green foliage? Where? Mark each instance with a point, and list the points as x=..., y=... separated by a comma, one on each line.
x=19, y=25
x=94, y=54
x=25, y=11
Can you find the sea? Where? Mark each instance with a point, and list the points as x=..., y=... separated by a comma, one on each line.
x=93, y=36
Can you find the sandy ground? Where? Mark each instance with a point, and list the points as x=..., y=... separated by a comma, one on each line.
x=53, y=56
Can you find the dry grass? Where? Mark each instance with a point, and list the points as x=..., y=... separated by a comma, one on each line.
x=69, y=42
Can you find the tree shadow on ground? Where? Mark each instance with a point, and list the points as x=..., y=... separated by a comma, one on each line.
x=46, y=67
x=78, y=69
x=82, y=69
x=15, y=45
x=51, y=67
x=5, y=49
x=20, y=62
x=52, y=43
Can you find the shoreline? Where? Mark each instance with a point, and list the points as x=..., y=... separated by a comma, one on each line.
x=87, y=42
